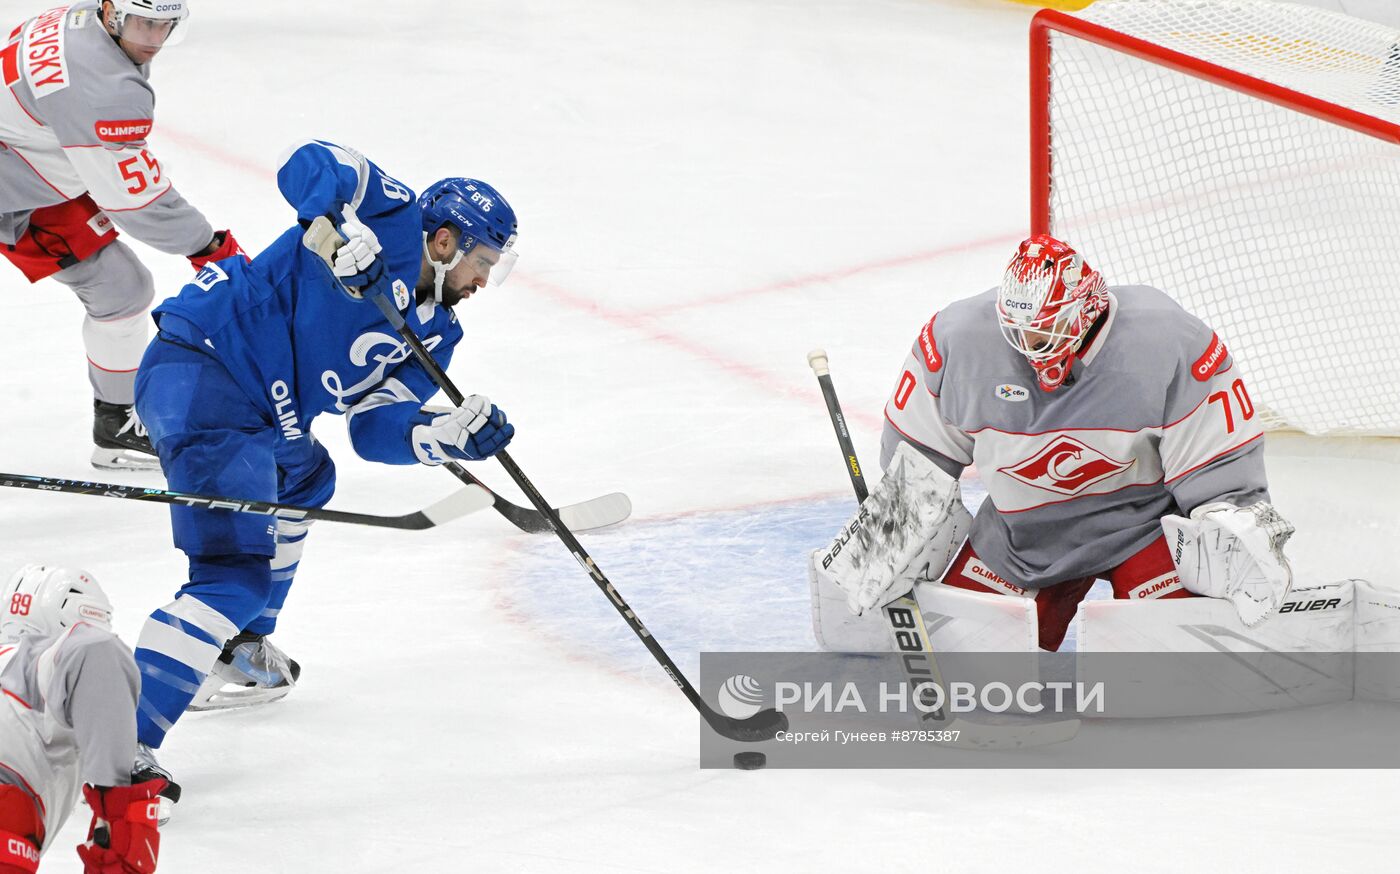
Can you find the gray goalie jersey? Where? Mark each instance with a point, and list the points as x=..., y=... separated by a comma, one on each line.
x=75, y=121
x=67, y=717
x=1156, y=420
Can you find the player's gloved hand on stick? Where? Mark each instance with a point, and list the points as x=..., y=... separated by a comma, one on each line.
x=357, y=253
x=475, y=430
x=355, y=262
x=1235, y=553
x=124, y=837
x=222, y=246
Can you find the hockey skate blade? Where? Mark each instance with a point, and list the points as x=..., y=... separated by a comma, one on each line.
x=229, y=697
x=459, y=503
x=596, y=513
x=123, y=459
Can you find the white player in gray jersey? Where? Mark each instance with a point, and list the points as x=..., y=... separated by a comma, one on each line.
x=68, y=693
x=75, y=166
x=1092, y=414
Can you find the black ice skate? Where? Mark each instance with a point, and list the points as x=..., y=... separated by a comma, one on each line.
x=120, y=438
x=250, y=671
x=147, y=768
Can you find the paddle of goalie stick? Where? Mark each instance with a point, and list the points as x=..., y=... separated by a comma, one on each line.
x=906, y=621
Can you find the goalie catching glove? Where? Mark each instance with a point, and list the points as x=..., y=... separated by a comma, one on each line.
x=1235, y=553
x=909, y=529
x=475, y=430
x=124, y=837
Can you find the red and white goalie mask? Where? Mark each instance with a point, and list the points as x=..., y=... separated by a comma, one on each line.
x=1048, y=301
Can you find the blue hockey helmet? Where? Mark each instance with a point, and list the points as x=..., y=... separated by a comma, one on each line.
x=481, y=217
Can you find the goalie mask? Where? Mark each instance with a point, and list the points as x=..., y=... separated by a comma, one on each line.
x=1049, y=299
x=45, y=601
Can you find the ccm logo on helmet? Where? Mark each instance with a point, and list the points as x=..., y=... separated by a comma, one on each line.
x=1206, y=366
x=123, y=131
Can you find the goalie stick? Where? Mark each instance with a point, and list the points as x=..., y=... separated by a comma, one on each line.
x=762, y=726
x=459, y=503
x=906, y=622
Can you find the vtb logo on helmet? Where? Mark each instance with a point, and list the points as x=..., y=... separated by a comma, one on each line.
x=44, y=600
x=1049, y=298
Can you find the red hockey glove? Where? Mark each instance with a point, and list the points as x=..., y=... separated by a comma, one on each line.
x=225, y=246
x=124, y=837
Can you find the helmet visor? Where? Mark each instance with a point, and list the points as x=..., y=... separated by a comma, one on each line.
x=491, y=264
x=150, y=33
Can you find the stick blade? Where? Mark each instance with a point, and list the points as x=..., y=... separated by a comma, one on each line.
x=762, y=726
x=460, y=503
x=596, y=513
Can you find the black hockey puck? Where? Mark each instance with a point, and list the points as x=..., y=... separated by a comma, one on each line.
x=750, y=761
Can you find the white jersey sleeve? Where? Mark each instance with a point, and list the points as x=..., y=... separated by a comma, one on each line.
x=912, y=413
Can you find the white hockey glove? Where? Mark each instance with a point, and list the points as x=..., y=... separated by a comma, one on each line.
x=357, y=253
x=1235, y=553
x=909, y=529
x=475, y=430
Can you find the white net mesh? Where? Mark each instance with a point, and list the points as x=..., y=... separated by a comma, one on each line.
x=1280, y=230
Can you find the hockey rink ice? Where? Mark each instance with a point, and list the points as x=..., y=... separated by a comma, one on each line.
x=706, y=191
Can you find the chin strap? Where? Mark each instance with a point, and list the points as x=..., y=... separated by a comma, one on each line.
x=439, y=270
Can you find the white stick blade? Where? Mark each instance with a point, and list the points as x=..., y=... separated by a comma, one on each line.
x=459, y=503
x=596, y=513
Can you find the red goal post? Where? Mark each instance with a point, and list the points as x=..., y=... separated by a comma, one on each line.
x=1244, y=156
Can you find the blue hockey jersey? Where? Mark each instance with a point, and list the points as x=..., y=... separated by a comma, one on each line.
x=295, y=343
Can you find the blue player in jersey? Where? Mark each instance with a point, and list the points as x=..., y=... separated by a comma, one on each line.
x=250, y=353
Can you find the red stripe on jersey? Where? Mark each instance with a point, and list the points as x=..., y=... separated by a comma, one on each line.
x=10, y=694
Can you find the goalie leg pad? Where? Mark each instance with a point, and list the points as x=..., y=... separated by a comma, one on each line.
x=835, y=627
x=959, y=620
x=1377, y=641
x=1252, y=670
x=1053, y=606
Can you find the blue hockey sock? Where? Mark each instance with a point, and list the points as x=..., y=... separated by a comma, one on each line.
x=291, y=540
x=181, y=641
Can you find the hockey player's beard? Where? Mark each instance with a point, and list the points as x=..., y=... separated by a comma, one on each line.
x=450, y=296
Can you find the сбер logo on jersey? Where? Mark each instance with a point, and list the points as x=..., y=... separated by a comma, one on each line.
x=741, y=696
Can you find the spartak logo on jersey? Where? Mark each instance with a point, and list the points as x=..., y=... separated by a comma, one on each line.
x=1066, y=466
x=926, y=345
x=1207, y=364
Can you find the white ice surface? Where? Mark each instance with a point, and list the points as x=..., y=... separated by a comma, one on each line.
x=707, y=190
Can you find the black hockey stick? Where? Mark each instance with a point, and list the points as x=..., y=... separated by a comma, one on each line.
x=322, y=238
x=906, y=620
x=460, y=503
x=762, y=726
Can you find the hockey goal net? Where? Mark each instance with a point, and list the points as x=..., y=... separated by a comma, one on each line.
x=1243, y=156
